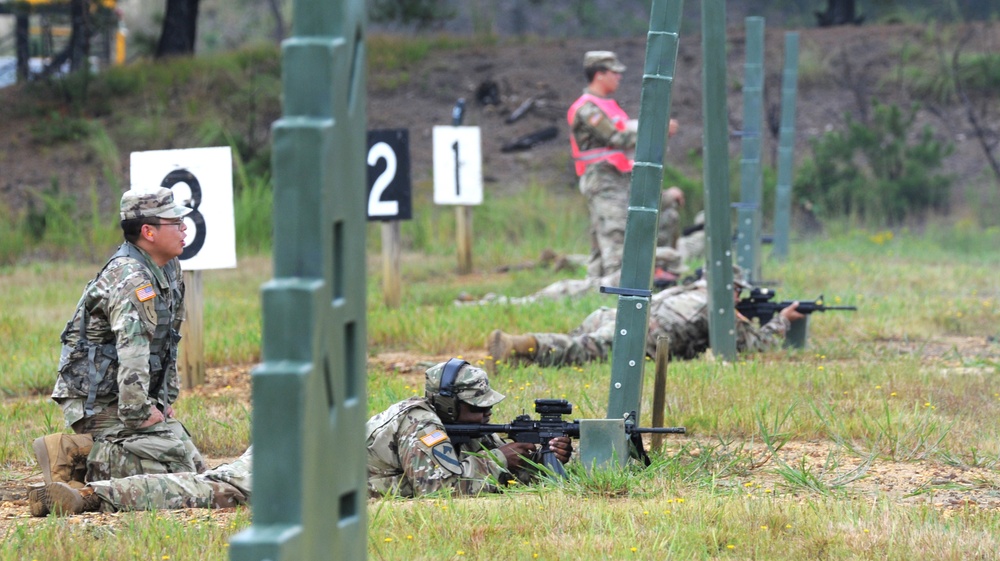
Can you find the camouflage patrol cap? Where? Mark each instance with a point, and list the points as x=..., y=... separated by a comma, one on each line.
x=605, y=60
x=739, y=279
x=158, y=203
x=472, y=385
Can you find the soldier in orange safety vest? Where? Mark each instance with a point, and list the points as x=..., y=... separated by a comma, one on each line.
x=603, y=139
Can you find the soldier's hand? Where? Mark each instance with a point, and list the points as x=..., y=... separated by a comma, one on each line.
x=155, y=417
x=514, y=452
x=562, y=447
x=791, y=313
x=170, y=412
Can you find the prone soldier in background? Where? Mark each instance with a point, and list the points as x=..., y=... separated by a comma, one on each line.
x=681, y=313
x=410, y=453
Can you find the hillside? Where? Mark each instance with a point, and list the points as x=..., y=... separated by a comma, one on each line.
x=840, y=68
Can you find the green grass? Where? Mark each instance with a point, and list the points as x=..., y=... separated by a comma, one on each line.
x=861, y=385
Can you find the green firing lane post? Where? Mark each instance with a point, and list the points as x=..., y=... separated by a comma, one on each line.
x=786, y=147
x=748, y=214
x=629, y=346
x=719, y=262
x=309, y=403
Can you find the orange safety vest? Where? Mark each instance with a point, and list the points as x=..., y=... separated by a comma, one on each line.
x=614, y=156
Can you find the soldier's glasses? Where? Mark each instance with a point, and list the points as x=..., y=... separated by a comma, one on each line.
x=179, y=223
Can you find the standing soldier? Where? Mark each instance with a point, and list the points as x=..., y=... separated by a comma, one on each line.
x=603, y=140
x=117, y=376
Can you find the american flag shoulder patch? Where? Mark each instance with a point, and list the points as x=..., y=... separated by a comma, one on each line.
x=145, y=292
x=433, y=438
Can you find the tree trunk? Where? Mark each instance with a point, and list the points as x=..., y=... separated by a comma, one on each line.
x=80, y=36
x=179, y=29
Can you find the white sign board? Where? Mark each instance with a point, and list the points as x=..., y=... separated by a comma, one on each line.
x=458, y=166
x=202, y=180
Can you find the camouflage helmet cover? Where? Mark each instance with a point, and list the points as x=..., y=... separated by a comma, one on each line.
x=155, y=203
x=472, y=385
x=602, y=60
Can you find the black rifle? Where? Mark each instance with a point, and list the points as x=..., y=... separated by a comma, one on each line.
x=525, y=429
x=760, y=305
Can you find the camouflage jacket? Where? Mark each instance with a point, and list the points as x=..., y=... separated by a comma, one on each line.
x=121, y=343
x=681, y=313
x=409, y=454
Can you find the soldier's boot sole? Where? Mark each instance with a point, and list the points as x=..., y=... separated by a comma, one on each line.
x=63, y=499
x=36, y=502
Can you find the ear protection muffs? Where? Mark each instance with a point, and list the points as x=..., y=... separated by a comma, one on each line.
x=446, y=402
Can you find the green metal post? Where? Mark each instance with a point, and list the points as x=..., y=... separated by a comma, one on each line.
x=749, y=209
x=786, y=147
x=629, y=347
x=719, y=262
x=309, y=404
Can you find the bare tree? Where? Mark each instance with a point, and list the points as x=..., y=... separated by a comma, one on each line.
x=971, y=83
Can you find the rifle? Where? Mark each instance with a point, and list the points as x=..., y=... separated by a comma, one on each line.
x=525, y=429
x=760, y=305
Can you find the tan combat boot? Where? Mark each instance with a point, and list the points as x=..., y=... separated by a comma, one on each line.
x=510, y=349
x=60, y=499
x=63, y=457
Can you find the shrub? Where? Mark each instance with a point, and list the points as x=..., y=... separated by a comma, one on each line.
x=876, y=173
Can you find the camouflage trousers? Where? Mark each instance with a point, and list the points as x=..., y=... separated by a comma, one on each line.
x=592, y=340
x=589, y=342
x=226, y=486
x=606, y=190
x=121, y=452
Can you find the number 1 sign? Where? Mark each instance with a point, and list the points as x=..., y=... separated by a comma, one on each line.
x=458, y=166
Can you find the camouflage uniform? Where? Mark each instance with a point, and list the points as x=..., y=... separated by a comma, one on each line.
x=606, y=188
x=680, y=313
x=118, y=358
x=410, y=454
x=226, y=486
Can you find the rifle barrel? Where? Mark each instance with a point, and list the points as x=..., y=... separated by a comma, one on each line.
x=659, y=430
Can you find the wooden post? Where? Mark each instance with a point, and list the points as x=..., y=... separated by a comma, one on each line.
x=391, y=283
x=660, y=388
x=463, y=232
x=191, y=355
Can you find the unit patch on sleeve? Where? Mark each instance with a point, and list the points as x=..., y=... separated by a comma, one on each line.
x=444, y=455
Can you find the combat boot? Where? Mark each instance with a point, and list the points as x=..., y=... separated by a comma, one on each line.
x=510, y=349
x=63, y=457
x=60, y=499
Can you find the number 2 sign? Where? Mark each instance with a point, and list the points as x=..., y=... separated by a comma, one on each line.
x=458, y=166
x=389, y=175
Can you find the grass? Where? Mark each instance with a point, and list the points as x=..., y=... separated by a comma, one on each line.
x=727, y=489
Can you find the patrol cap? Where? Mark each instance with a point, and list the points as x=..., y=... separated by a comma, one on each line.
x=605, y=60
x=739, y=279
x=158, y=203
x=472, y=385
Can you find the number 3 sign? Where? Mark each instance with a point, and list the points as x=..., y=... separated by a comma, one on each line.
x=202, y=180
